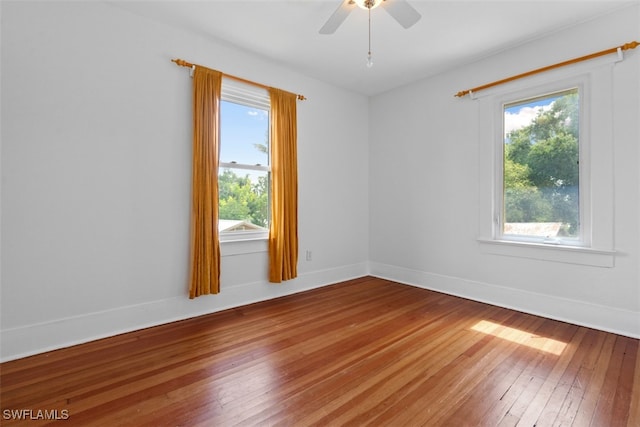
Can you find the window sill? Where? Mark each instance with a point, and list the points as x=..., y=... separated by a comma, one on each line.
x=549, y=252
x=244, y=246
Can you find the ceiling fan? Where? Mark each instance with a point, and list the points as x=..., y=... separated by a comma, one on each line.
x=400, y=10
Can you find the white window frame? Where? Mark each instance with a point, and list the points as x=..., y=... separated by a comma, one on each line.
x=255, y=97
x=596, y=247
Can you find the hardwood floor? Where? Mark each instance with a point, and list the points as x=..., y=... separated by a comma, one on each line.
x=362, y=352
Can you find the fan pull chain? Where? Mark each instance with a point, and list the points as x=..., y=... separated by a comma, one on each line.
x=369, y=60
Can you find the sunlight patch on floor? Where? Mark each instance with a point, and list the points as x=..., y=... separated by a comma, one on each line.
x=547, y=345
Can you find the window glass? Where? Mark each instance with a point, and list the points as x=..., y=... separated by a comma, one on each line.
x=244, y=171
x=541, y=168
x=244, y=199
x=244, y=134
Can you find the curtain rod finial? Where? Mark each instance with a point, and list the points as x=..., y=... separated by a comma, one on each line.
x=182, y=62
x=630, y=45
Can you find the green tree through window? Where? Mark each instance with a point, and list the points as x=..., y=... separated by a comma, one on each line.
x=541, y=164
x=242, y=199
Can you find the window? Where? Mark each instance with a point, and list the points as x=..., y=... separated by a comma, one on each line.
x=546, y=167
x=541, y=170
x=244, y=169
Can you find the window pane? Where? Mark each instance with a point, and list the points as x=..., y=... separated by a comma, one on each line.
x=243, y=200
x=244, y=134
x=541, y=167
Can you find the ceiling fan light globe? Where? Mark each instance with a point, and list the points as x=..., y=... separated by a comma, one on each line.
x=368, y=4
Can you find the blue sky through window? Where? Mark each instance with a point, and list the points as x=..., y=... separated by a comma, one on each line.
x=241, y=128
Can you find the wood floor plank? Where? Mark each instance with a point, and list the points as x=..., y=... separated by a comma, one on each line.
x=595, y=382
x=498, y=395
x=560, y=394
x=624, y=388
x=573, y=399
x=634, y=411
x=613, y=405
x=363, y=352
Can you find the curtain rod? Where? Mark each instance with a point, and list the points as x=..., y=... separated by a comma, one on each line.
x=619, y=49
x=183, y=63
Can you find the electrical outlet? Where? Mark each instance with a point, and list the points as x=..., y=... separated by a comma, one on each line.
x=309, y=255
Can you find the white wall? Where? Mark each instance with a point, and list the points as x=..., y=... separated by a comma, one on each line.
x=96, y=151
x=424, y=196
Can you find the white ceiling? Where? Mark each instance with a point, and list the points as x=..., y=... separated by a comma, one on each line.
x=450, y=33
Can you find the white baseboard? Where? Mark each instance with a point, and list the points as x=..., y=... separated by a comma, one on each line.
x=38, y=338
x=610, y=319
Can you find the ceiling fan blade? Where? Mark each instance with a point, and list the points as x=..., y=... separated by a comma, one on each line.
x=338, y=17
x=402, y=12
